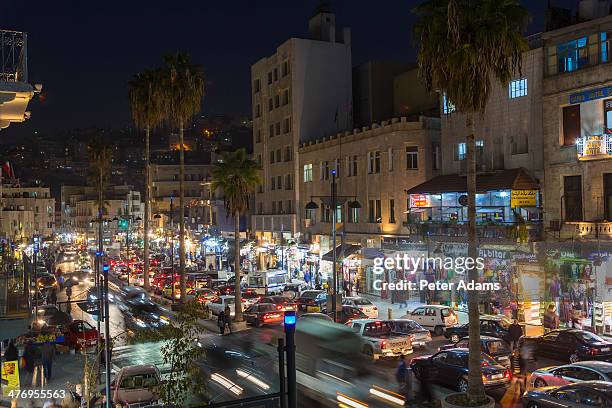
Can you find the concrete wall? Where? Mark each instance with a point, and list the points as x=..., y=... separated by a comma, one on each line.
x=410, y=97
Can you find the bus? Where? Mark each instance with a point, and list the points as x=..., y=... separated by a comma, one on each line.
x=270, y=282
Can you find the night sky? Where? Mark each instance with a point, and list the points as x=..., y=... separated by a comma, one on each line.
x=85, y=51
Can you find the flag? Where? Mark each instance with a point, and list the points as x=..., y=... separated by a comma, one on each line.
x=7, y=170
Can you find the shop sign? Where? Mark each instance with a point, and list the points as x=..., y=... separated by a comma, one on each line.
x=402, y=243
x=454, y=250
x=10, y=377
x=420, y=200
x=525, y=257
x=523, y=198
x=492, y=253
x=591, y=94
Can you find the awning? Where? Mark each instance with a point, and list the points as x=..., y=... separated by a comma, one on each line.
x=342, y=251
x=513, y=179
x=371, y=253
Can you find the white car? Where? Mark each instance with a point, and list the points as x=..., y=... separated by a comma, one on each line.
x=379, y=339
x=218, y=304
x=435, y=318
x=85, y=268
x=364, y=305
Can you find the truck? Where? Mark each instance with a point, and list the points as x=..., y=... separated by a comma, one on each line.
x=378, y=339
x=269, y=282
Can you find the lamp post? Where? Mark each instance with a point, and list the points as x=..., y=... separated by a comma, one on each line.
x=107, y=346
x=290, y=321
x=334, y=201
x=172, y=242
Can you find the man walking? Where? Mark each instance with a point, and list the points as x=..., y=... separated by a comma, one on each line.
x=48, y=355
x=551, y=320
x=221, y=322
x=402, y=375
x=514, y=334
x=228, y=318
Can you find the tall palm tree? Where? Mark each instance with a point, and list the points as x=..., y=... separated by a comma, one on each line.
x=236, y=175
x=183, y=87
x=148, y=109
x=464, y=45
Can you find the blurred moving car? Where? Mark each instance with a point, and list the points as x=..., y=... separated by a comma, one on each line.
x=571, y=344
x=136, y=385
x=492, y=346
x=418, y=335
x=379, y=341
x=571, y=373
x=263, y=313
x=348, y=314
x=80, y=334
x=293, y=289
x=250, y=297
x=281, y=302
x=494, y=326
x=434, y=318
x=317, y=316
x=579, y=395
x=363, y=304
x=203, y=295
x=47, y=281
x=311, y=301
x=450, y=368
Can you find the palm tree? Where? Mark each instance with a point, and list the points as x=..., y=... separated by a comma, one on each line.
x=236, y=175
x=464, y=45
x=148, y=110
x=183, y=87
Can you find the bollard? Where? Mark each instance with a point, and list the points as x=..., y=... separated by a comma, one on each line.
x=390, y=313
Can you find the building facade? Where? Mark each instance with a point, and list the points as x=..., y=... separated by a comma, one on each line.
x=38, y=200
x=301, y=92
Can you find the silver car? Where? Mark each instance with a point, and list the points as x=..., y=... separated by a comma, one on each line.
x=586, y=394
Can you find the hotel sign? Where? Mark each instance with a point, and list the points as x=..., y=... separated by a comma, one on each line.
x=419, y=201
x=591, y=94
x=523, y=198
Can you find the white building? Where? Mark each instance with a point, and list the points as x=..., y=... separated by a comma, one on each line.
x=301, y=92
x=37, y=200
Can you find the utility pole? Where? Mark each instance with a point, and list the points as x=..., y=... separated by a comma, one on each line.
x=107, y=339
x=334, y=277
x=290, y=321
x=172, y=242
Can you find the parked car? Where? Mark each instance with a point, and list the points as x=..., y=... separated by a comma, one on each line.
x=263, y=313
x=45, y=314
x=311, y=301
x=318, y=316
x=80, y=334
x=571, y=373
x=85, y=268
x=136, y=385
x=494, y=326
x=378, y=339
x=450, y=368
x=418, y=335
x=218, y=304
x=250, y=297
x=203, y=295
x=348, y=314
x=47, y=281
x=434, y=318
x=293, y=289
x=579, y=395
x=492, y=346
x=363, y=304
x=281, y=302
x=571, y=344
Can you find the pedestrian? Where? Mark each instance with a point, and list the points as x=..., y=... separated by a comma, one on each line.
x=357, y=285
x=48, y=355
x=28, y=363
x=528, y=363
x=307, y=278
x=53, y=296
x=228, y=318
x=514, y=334
x=11, y=353
x=551, y=320
x=221, y=322
x=425, y=386
x=402, y=376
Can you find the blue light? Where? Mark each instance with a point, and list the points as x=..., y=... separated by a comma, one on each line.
x=333, y=172
x=290, y=318
x=105, y=268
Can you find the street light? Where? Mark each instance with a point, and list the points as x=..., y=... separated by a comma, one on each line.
x=335, y=200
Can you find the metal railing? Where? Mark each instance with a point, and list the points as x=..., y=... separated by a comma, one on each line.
x=13, y=56
x=594, y=145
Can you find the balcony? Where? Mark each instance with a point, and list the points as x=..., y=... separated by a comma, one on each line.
x=508, y=233
x=594, y=147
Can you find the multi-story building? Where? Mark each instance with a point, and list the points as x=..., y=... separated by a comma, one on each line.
x=577, y=109
x=301, y=92
x=38, y=200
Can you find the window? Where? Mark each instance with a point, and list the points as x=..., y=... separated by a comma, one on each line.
x=374, y=211
x=310, y=214
x=273, y=207
x=288, y=182
x=259, y=159
x=412, y=157
x=256, y=86
x=269, y=78
x=260, y=190
x=605, y=46
x=285, y=96
x=392, y=211
x=352, y=166
x=607, y=182
x=289, y=206
x=337, y=167
x=571, y=124
x=517, y=88
x=308, y=173
x=277, y=101
x=572, y=193
x=570, y=56
x=447, y=106
x=374, y=162
x=461, y=149
x=353, y=216
x=278, y=155
x=325, y=170
x=258, y=136
x=390, y=157
x=285, y=68
x=435, y=155
x=273, y=183
x=280, y=207
x=325, y=213
x=277, y=126
x=271, y=131
x=287, y=125
x=270, y=104
x=272, y=157
x=259, y=208
x=275, y=74
x=258, y=111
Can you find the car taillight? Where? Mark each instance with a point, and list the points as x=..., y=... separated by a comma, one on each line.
x=507, y=374
x=484, y=364
x=429, y=335
x=383, y=344
x=243, y=299
x=594, y=351
x=278, y=307
x=484, y=378
x=375, y=308
x=411, y=337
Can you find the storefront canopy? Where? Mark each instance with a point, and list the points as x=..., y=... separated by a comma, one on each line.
x=514, y=179
x=342, y=251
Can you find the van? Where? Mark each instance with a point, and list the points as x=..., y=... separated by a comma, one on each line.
x=270, y=282
x=435, y=318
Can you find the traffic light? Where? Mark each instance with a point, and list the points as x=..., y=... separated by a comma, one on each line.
x=105, y=268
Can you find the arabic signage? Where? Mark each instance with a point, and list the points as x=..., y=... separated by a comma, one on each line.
x=419, y=200
x=402, y=244
x=523, y=198
x=10, y=377
x=591, y=94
